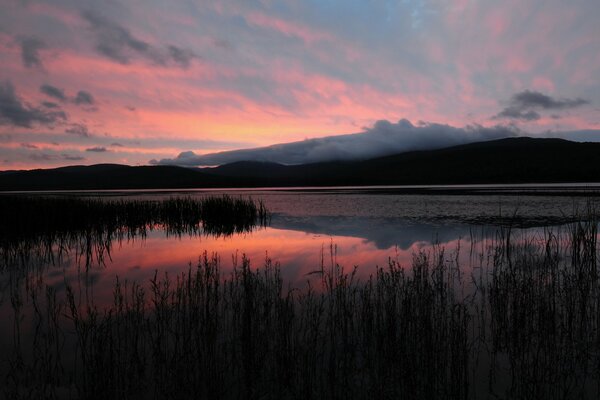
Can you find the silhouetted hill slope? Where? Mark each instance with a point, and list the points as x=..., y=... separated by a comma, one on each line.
x=246, y=169
x=108, y=176
x=513, y=160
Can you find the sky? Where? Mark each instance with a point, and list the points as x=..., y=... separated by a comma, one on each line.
x=152, y=82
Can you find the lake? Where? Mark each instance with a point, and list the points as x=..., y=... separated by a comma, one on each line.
x=365, y=227
x=311, y=230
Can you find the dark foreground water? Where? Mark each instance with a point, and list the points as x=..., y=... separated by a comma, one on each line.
x=498, y=298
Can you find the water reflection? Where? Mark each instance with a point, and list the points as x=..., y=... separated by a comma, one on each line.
x=456, y=310
x=384, y=233
x=41, y=231
x=299, y=244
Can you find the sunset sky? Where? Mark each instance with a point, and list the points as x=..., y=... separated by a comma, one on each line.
x=85, y=82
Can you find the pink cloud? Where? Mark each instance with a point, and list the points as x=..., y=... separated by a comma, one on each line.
x=497, y=22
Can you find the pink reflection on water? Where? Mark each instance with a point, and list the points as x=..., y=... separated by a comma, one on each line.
x=299, y=254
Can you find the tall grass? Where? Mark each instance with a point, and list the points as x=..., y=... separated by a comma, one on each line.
x=205, y=334
x=544, y=314
x=522, y=322
x=43, y=228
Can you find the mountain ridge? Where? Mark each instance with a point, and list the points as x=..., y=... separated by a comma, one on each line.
x=510, y=160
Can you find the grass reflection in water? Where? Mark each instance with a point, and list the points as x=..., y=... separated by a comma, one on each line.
x=522, y=322
x=44, y=228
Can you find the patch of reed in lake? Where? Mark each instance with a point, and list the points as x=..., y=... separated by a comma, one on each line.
x=43, y=227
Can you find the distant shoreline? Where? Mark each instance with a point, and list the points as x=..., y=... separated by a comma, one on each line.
x=582, y=189
x=522, y=166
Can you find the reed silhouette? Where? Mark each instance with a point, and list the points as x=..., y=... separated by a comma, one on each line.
x=39, y=230
x=522, y=321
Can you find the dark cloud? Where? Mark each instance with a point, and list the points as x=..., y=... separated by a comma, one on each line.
x=30, y=52
x=43, y=157
x=28, y=146
x=119, y=44
x=116, y=145
x=525, y=105
x=114, y=41
x=14, y=112
x=72, y=158
x=97, y=149
x=516, y=113
x=49, y=104
x=46, y=157
x=183, y=57
x=53, y=91
x=384, y=138
x=531, y=99
x=84, y=98
x=79, y=130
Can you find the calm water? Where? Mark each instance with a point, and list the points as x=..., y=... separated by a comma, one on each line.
x=357, y=227
x=308, y=228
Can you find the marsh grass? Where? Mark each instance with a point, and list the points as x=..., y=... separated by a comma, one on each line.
x=521, y=322
x=206, y=334
x=544, y=314
x=41, y=229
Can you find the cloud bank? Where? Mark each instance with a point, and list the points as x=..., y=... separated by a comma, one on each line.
x=14, y=112
x=44, y=157
x=54, y=92
x=384, y=138
x=30, y=52
x=96, y=149
x=84, y=98
x=525, y=105
x=119, y=44
x=78, y=130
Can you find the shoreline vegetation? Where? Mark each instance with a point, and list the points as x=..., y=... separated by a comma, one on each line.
x=43, y=227
x=521, y=321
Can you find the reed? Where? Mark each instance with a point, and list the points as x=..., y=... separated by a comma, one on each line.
x=522, y=322
x=42, y=228
x=544, y=314
x=212, y=335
